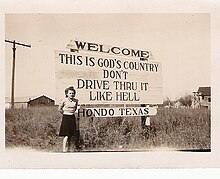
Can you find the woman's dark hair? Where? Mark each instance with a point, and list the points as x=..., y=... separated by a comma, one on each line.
x=70, y=88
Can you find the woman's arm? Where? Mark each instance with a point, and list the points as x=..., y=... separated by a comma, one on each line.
x=60, y=108
x=76, y=100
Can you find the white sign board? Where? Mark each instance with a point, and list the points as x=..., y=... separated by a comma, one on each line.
x=103, y=79
x=107, y=49
x=116, y=112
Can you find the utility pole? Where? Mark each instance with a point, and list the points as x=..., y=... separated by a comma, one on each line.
x=13, y=68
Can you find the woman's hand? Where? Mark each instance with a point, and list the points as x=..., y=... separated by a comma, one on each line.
x=61, y=111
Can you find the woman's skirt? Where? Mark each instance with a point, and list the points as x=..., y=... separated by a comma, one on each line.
x=68, y=126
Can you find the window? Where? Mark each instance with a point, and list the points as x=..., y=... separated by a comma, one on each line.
x=209, y=99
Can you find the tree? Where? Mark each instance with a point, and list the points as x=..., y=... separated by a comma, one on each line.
x=167, y=102
x=186, y=100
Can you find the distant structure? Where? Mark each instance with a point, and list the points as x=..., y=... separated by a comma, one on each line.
x=41, y=101
x=202, y=98
x=21, y=102
x=178, y=105
x=25, y=102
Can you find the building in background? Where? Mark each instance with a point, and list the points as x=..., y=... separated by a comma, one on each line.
x=202, y=98
x=19, y=102
x=178, y=105
x=24, y=102
x=41, y=101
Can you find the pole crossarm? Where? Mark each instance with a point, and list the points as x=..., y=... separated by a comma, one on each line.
x=17, y=43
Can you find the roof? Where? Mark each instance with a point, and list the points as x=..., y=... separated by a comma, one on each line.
x=31, y=99
x=178, y=103
x=206, y=91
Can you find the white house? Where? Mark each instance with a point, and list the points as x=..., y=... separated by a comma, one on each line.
x=205, y=96
x=178, y=104
x=202, y=98
x=19, y=102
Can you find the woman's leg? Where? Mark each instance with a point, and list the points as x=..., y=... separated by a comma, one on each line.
x=65, y=140
x=69, y=143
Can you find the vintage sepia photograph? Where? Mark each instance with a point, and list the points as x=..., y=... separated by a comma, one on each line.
x=102, y=82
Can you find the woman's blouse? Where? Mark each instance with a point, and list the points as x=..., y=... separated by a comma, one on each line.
x=68, y=106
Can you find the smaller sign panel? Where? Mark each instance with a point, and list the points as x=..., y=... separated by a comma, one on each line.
x=116, y=112
x=76, y=45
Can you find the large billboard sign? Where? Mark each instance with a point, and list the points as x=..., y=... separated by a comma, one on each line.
x=101, y=78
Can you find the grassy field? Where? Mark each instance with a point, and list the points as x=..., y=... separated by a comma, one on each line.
x=170, y=128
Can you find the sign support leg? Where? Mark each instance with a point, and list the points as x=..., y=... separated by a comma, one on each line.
x=77, y=142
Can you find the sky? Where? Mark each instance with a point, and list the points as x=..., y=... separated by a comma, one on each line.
x=181, y=42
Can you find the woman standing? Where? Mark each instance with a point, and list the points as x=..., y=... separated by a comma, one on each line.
x=68, y=126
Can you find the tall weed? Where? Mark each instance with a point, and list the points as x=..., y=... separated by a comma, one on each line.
x=171, y=128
